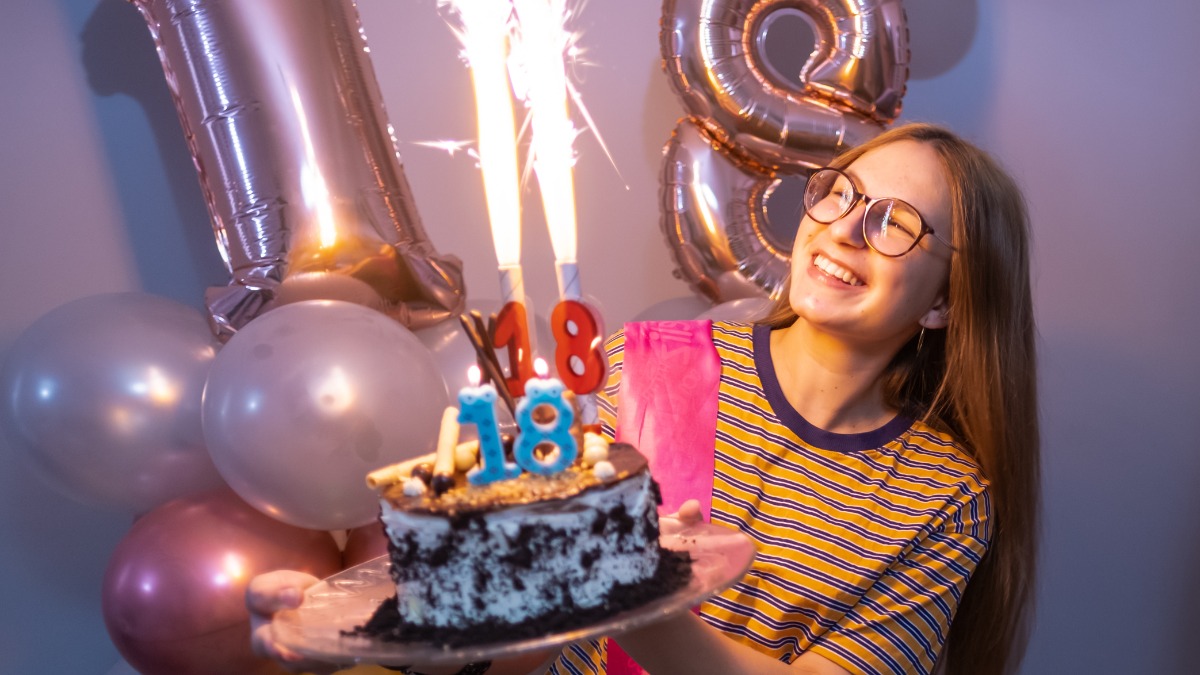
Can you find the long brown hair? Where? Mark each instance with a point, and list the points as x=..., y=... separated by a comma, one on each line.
x=977, y=379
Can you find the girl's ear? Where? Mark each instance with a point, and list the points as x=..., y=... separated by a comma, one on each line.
x=936, y=317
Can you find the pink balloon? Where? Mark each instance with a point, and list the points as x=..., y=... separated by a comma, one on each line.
x=173, y=596
x=364, y=543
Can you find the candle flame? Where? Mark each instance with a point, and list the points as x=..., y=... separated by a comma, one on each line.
x=483, y=29
x=474, y=375
x=540, y=367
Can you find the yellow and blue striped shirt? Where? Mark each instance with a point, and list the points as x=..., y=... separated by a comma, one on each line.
x=865, y=541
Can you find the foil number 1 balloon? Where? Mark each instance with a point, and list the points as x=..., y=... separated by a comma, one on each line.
x=283, y=116
x=747, y=127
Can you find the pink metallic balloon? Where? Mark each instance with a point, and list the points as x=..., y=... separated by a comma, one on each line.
x=749, y=126
x=713, y=216
x=102, y=396
x=283, y=116
x=853, y=83
x=174, y=592
x=309, y=398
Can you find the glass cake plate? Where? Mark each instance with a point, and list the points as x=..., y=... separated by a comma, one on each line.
x=720, y=557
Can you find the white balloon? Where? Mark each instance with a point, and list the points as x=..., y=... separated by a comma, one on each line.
x=674, y=309
x=743, y=309
x=310, y=397
x=102, y=394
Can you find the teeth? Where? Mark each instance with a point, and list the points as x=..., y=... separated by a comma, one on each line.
x=835, y=270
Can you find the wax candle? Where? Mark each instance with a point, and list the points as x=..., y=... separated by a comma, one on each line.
x=545, y=391
x=512, y=333
x=578, y=337
x=443, y=464
x=477, y=405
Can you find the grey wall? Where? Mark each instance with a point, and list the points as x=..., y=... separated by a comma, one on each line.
x=1090, y=104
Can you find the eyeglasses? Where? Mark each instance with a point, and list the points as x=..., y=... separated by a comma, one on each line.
x=891, y=227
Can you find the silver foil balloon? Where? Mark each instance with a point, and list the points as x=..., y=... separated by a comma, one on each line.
x=714, y=219
x=103, y=395
x=298, y=164
x=713, y=53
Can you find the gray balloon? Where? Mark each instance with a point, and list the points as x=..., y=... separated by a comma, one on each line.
x=103, y=394
x=309, y=398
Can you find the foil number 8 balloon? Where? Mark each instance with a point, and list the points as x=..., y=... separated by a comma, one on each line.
x=747, y=126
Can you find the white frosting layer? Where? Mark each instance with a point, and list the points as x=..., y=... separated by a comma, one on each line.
x=521, y=562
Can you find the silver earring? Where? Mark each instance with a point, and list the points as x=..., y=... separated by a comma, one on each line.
x=920, y=339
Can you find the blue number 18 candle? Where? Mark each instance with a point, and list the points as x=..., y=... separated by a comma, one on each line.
x=545, y=391
x=477, y=405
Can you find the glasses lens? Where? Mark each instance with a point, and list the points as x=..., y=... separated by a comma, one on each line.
x=828, y=195
x=892, y=226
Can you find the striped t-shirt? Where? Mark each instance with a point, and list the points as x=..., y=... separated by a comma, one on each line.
x=865, y=541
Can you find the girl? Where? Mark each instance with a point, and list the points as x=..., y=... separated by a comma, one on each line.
x=876, y=435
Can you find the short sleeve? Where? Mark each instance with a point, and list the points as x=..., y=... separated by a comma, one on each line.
x=901, y=623
x=587, y=657
x=606, y=400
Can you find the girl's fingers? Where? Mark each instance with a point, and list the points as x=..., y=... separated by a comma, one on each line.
x=283, y=589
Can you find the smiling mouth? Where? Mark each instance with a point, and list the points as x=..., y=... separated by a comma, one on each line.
x=836, y=271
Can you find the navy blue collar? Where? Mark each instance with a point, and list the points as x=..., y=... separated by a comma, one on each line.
x=815, y=436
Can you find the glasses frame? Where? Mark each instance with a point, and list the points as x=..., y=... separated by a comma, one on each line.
x=868, y=202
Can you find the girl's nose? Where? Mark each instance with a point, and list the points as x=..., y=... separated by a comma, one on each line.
x=848, y=229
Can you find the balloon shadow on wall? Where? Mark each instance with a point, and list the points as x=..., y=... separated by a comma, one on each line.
x=939, y=35
x=119, y=58
x=56, y=543
x=951, y=67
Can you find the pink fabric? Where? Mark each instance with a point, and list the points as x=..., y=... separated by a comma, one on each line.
x=668, y=410
x=668, y=405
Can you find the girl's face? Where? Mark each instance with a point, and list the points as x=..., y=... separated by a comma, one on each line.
x=843, y=287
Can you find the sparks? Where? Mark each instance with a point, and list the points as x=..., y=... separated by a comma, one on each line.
x=451, y=147
x=544, y=42
x=483, y=27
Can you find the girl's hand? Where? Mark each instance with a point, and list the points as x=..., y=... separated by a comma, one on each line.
x=689, y=515
x=268, y=593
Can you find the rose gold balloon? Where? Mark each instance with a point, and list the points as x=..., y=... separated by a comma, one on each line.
x=283, y=116
x=364, y=543
x=174, y=593
x=749, y=126
x=713, y=213
x=852, y=84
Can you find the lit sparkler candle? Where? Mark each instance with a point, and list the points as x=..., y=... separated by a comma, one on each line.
x=484, y=30
x=485, y=27
x=544, y=43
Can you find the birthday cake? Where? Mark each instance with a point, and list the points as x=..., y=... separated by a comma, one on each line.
x=524, y=556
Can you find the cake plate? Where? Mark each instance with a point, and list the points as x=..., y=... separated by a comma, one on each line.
x=720, y=557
